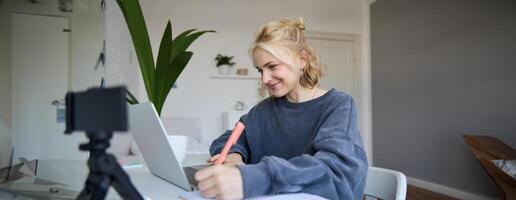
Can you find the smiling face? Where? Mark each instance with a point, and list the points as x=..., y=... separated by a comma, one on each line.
x=279, y=78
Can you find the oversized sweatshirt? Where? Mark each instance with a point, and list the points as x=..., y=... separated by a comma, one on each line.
x=311, y=147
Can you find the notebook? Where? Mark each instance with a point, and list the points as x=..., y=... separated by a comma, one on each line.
x=294, y=196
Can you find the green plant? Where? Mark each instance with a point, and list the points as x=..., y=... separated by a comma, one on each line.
x=172, y=55
x=224, y=60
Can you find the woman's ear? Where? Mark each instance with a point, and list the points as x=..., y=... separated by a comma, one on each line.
x=303, y=59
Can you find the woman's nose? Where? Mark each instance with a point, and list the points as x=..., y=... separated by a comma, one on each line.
x=266, y=77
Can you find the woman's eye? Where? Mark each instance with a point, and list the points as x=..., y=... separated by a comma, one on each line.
x=259, y=71
x=273, y=66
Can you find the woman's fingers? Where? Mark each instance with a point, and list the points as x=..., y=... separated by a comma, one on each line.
x=205, y=173
x=207, y=183
x=220, y=181
x=213, y=158
x=231, y=159
x=210, y=193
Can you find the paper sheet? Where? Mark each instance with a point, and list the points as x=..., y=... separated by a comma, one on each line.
x=295, y=196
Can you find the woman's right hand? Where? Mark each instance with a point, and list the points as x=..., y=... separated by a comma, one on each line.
x=232, y=159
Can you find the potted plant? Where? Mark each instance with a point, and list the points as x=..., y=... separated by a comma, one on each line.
x=172, y=57
x=224, y=63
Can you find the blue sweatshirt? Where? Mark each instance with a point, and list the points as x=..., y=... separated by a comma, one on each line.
x=311, y=147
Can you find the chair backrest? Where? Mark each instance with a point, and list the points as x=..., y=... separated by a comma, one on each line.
x=385, y=184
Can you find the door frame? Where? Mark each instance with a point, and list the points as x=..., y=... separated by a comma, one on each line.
x=353, y=39
x=362, y=81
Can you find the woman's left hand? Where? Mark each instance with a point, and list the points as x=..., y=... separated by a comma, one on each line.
x=220, y=182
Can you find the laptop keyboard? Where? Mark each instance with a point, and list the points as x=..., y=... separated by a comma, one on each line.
x=190, y=175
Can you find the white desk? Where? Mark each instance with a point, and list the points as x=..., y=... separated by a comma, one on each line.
x=72, y=174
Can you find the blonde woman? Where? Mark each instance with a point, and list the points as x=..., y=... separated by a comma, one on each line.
x=301, y=139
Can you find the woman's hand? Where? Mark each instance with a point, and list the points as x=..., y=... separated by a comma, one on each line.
x=220, y=182
x=232, y=159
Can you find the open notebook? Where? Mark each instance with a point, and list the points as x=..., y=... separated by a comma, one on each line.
x=197, y=196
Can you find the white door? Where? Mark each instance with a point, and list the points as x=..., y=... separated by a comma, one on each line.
x=338, y=53
x=338, y=56
x=40, y=60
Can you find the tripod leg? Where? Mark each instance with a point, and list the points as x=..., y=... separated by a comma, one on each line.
x=104, y=171
x=121, y=181
x=96, y=187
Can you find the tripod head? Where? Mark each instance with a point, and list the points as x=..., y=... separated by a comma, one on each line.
x=99, y=112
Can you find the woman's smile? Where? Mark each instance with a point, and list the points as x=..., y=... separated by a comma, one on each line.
x=274, y=86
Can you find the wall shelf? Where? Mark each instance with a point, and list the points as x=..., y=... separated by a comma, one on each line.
x=218, y=76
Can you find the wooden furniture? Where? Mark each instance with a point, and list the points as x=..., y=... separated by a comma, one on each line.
x=486, y=149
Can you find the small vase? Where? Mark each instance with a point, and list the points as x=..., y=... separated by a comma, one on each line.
x=224, y=69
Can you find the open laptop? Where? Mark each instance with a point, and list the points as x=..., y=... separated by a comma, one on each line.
x=151, y=138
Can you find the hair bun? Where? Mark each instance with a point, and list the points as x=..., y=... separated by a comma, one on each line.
x=301, y=26
x=300, y=23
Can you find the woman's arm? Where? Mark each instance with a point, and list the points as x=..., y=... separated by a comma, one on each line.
x=337, y=170
x=241, y=147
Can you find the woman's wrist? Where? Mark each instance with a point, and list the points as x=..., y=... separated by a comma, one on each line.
x=235, y=158
x=236, y=155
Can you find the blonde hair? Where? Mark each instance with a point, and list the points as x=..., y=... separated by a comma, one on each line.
x=289, y=34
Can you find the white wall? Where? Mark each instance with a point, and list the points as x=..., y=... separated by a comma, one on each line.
x=86, y=42
x=5, y=88
x=434, y=80
x=197, y=94
x=87, y=26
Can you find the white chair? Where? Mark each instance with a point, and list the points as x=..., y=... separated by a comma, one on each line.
x=385, y=184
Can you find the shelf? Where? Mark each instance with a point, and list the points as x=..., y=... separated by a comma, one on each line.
x=218, y=76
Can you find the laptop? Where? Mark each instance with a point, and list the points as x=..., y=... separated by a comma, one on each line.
x=151, y=138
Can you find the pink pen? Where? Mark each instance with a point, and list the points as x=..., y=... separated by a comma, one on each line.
x=237, y=131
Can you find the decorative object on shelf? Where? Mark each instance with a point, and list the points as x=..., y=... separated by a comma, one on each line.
x=241, y=71
x=172, y=55
x=239, y=105
x=224, y=64
x=65, y=5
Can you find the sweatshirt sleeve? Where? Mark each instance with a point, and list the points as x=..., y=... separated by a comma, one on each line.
x=337, y=169
x=240, y=147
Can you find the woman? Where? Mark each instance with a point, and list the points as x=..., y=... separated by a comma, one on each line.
x=301, y=139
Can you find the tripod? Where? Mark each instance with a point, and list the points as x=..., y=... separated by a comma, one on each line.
x=104, y=171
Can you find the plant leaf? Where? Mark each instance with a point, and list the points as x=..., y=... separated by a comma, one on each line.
x=130, y=98
x=167, y=76
x=182, y=35
x=178, y=47
x=176, y=40
x=165, y=47
x=180, y=44
x=136, y=24
x=163, y=59
x=172, y=58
